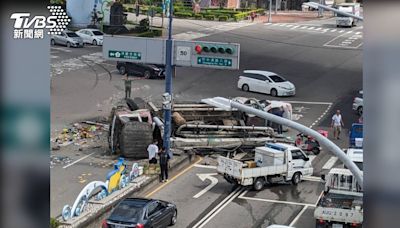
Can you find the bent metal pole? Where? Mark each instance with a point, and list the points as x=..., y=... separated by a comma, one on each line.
x=323, y=140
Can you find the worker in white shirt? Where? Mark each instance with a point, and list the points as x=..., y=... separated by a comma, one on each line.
x=152, y=149
x=337, y=124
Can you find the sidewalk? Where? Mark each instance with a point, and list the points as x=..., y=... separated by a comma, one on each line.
x=293, y=16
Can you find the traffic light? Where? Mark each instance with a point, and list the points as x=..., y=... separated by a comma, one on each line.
x=210, y=48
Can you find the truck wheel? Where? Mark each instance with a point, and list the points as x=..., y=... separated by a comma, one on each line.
x=360, y=110
x=258, y=184
x=245, y=88
x=296, y=178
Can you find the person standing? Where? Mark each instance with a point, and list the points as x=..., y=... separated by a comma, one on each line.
x=152, y=149
x=252, y=15
x=280, y=114
x=128, y=87
x=337, y=124
x=164, y=158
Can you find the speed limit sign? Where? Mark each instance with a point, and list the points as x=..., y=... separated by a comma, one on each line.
x=183, y=53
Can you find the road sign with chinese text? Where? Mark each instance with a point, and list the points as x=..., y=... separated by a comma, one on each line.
x=125, y=55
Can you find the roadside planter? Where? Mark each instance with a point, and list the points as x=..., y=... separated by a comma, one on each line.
x=116, y=180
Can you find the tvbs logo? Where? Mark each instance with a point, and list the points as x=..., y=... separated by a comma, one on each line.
x=26, y=27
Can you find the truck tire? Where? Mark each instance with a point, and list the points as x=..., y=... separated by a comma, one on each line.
x=296, y=178
x=131, y=104
x=141, y=104
x=134, y=139
x=258, y=184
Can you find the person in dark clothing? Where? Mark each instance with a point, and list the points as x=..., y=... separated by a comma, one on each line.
x=128, y=87
x=164, y=157
x=279, y=112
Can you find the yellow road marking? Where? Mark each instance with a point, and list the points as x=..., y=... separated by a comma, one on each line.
x=173, y=178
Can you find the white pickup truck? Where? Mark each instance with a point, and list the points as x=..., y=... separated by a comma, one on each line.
x=341, y=204
x=274, y=162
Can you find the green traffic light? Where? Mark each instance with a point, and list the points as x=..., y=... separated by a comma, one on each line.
x=206, y=49
x=213, y=49
x=221, y=50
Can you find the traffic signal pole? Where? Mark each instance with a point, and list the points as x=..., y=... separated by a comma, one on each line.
x=168, y=83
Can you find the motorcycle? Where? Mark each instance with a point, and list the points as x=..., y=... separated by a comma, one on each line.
x=308, y=143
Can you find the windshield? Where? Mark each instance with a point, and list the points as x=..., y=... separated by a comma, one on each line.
x=97, y=33
x=72, y=34
x=126, y=211
x=277, y=78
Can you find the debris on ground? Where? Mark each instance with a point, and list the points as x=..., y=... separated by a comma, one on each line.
x=80, y=134
x=59, y=160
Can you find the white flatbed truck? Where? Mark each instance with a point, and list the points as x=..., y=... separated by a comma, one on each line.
x=341, y=204
x=274, y=162
x=352, y=8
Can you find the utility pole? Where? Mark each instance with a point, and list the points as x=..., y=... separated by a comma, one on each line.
x=276, y=6
x=269, y=13
x=162, y=14
x=168, y=83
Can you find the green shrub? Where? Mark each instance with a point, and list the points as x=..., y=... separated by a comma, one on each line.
x=223, y=18
x=240, y=16
x=130, y=9
x=54, y=223
x=210, y=17
x=198, y=16
x=183, y=14
x=152, y=33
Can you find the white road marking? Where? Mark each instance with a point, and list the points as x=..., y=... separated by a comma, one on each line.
x=358, y=33
x=317, y=29
x=203, y=177
x=341, y=31
x=330, y=163
x=61, y=49
x=276, y=201
x=289, y=26
x=349, y=32
x=304, y=27
x=333, y=30
x=218, y=208
x=298, y=216
x=73, y=163
x=267, y=23
x=311, y=28
x=310, y=102
x=319, y=197
x=281, y=25
x=296, y=26
x=312, y=178
x=205, y=166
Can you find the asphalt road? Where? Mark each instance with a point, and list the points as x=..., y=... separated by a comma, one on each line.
x=325, y=69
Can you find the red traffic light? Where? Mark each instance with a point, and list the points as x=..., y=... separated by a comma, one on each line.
x=198, y=48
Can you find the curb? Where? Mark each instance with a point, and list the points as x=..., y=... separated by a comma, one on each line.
x=149, y=182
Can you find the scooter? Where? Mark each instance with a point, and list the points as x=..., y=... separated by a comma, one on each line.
x=308, y=143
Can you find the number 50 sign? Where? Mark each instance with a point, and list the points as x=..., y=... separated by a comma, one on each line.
x=183, y=53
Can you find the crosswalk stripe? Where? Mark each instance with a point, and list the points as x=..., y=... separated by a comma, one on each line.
x=281, y=25
x=330, y=163
x=349, y=32
x=289, y=26
x=341, y=31
x=318, y=29
x=357, y=33
x=296, y=26
x=304, y=27
x=333, y=30
x=311, y=28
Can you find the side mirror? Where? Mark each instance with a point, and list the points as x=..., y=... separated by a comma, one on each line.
x=306, y=159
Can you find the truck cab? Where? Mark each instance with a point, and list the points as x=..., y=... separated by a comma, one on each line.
x=356, y=135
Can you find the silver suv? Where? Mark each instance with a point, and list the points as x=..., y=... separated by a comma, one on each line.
x=68, y=38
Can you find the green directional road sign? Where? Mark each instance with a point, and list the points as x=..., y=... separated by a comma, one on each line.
x=125, y=55
x=214, y=61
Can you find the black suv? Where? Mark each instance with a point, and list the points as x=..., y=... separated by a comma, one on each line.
x=143, y=70
x=142, y=213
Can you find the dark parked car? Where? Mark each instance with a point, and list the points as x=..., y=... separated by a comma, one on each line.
x=144, y=70
x=142, y=213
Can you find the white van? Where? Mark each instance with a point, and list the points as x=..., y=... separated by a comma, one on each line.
x=265, y=82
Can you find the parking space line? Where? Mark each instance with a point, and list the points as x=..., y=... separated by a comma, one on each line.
x=319, y=197
x=311, y=178
x=329, y=164
x=298, y=216
x=73, y=163
x=173, y=178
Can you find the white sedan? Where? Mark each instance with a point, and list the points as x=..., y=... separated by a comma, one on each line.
x=265, y=82
x=91, y=36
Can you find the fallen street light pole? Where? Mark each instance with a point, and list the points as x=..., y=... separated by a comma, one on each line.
x=229, y=104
